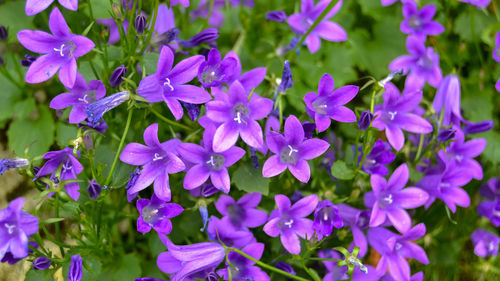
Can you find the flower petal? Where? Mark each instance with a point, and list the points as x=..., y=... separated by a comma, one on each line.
x=294, y=132
x=301, y=170
x=57, y=24
x=196, y=176
x=225, y=137
x=313, y=148
x=273, y=167
x=37, y=41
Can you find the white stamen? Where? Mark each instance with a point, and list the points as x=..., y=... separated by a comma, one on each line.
x=388, y=199
x=289, y=223
x=211, y=161
x=496, y=213
x=325, y=216
x=238, y=117
x=491, y=247
x=65, y=168
x=84, y=99
x=398, y=246
x=393, y=114
x=10, y=228
x=292, y=150
x=60, y=50
x=459, y=158
x=167, y=83
x=157, y=157
x=212, y=73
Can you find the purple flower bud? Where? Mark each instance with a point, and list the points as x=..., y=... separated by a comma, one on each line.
x=286, y=78
x=207, y=35
x=279, y=16
x=75, y=270
x=87, y=142
x=28, y=61
x=255, y=160
x=166, y=37
x=365, y=120
x=192, y=109
x=6, y=164
x=296, y=196
x=474, y=128
x=140, y=23
x=204, y=215
x=132, y=178
x=41, y=263
x=96, y=110
x=308, y=129
x=446, y=135
x=128, y=4
x=117, y=76
x=285, y=267
x=94, y=189
x=208, y=189
x=3, y=33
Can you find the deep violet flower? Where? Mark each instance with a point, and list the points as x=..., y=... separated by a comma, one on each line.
x=80, y=96
x=6, y=164
x=326, y=217
x=329, y=103
x=192, y=109
x=96, y=110
x=222, y=231
x=288, y=221
x=286, y=78
x=245, y=268
x=112, y=27
x=169, y=84
x=117, y=76
x=422, y=64
x=215, y=71
x=208, y=163
x=327, y=30
x=389, y=199
x=477, y=3
x=244, y=212
x=285, y=267
x=480, y=127
x=237, y=115
x=69, y=170
x=485, y=243
x=10, y=259
x=157, y=161
x=379, y=156
x=28, y=61
x=358, y=221
x=16, y=226
x=250, y=79
x=94, y=189
x=156, y=214
x=394, y=115
x=491, y=190
x=291, y=151
x=60, y=51
x=205, y=36
x=396, y=248
x=34, y=7
x=140, y=23
x=419, y=21
x=490, y=210
x=75, y=270
x=41, y=263
x=365, y=120
x=448, y=99
x=446, y=135
x=278, y=16
x=4, y=35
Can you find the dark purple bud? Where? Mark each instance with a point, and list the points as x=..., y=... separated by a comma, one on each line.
x=6, y=164
x=166, y=37
x=285, y=267
x=296, y=196
x=28, y=61
x=94, y=189
x=132, y=178
x=474, y=128
x=192, y=109
x=308, y=129
x=286, y=78
x=212, y=276
x=446, y=135
x=208, y=189
x=140, y=23
x=255, y=160
x=117, y=76
x=207, y=35
x=41, y=263
x=75, y=270
x=278, y=16
x=365, y=120
x=3, y=33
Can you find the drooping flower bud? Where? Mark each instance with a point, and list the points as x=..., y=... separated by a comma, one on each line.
x=96, y=110
x=208, y=189
x=3, y=33
x=28, y=61
x=94, y=189
x=474, y=128
x=207, y=35
x=285, y=267
x=117, y=76
x=75, y=269
x=202, y=207
x=41, y=263
x=278, y=16
x=365, y=120
x=140, y=23
x=6, y=164
x=166, y=37
x=132, y=178
x=286, y=78
x=446, y=135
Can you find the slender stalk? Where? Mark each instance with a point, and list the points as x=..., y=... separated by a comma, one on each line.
x=474, y=37
x=151, y=28
x=420, y=145
x=324, y=259
x=119, y=150
x=58, y=230
x=166, y=120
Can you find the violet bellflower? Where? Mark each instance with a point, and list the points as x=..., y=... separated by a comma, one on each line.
x=446, y=135
x=34, y=7
x=394, y=115
x=245, y=268
x=61, y=49
x=214, y=71
x=480, y=127
x=285, y=267
x=328, y=30
x=278, y=16
x=28, y=61
x=41, y=263
x=491, y=190
x=96, y=110
x=157, y=161
x=358, y=221
x=75, y=269
x=379, y=156
x=238, y=116
x=447, y=100
x=169, y=84
x=4, y=35
x=291, y=151
x=396, y=248
x=365, y=120
x=326, y=217
x=422, y=64
x=496, y=50
x=117, y=76
x=16, y=227
x=10, y=259
x=112, y=27
x=419, y=21
x=156, y=214
x=80, y=96
x=289, y=221
x=242, y=213
x=205, y=36
x=250, y=79
x=490, y=208
x=94, y=189
x=221, y=231
x=389, y=199
x=69, y=170
x=6, y=164
x=190, y=261
x=329, y=103
x=485, y=243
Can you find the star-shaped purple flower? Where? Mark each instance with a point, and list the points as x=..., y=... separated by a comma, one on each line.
x=485, y=243
x=419, y=22
x=156, y=214
x=326, y=216
x=329, y=103
x=244, y=212
x=448, y=99
x=214, y=71
x=288, y=221
x=60, y=51
x=34, y=7
x=376, y=160
x=169, y=84
x=157, y=161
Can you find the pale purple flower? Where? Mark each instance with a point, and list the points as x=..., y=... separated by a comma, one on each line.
x=80, y=96
x=278, y=16
x=395, y=249
x=326, y=217
x=34, y=7
x=16, y=227
x=112, y=27
x=448, y=99
x=6, y=164
x=379, y=156
x=169, y=84
x=60, y=51
x=358, y=221
x=214, y=71
x=329, y=103
x=327, y=30
x=250, y=79
x=222, y=231
x=245, y=268
x=289, y=221
x=157, y=161
x=422, y=64
x=242, y=213
x=419, y=21
x=394, y=115
x=75, y=269
x=156, y=214
x=485, y=243
x=389, y=199
x=97, y=109
x=496, y=50
x=477, y=3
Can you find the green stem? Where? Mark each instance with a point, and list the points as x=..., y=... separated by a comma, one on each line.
x=152, y=28
x=58, y=230
x=474, y=37
x=166, y=120
x=324, y=259
x=420, y=146
x=119, y=150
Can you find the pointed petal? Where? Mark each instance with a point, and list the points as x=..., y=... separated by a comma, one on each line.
x=251, y=79
x=294, y=132
x=331, y=31
x=225, y=137
x=83, y=45
x=252, y=134
x=196, y=176
x=191, y=94
x=37, y=41
x=43, y=68
x=377, y=216
x=399, y=219
x=273, y=167
x=271, y=227
x=162, y=187
x=34, y=7
x=185, y=70
x=413, y=123
x=165, y=63
x=399, y=178
x=304, y=206
x=67, y=73
x=411, y=197
x=395, y=137
x=136, y=154
x=301, y=170
x=326, y=85
x=69, y=4
x=57, y=24
x=291, y=242
x=313, y=148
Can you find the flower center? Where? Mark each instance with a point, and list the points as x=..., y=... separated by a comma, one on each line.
x=168, y=83
x=66, y=49
x=66, y=167
x=289, y=155
x=414, y=22
x=491, y=247
x=216, y=162
x=496, y=213
x=211, y=74
x=10, y=227
x=288, y=223
x=392, y=114
x=320, y=105
x=459, y=157
x=84, y=99
x=386, y=200
x=157, y=157
x=241, y=113
x=425, y=62
x=398, y=246
x=236, y=214
x=150, y=214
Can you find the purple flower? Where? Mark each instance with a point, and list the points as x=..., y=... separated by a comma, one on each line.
x=480, y=127
x=419, y=22
x=477, y=3
x=28, y=61
x=4, y=35
x=222, y=231
x=205, y=36
x=496, y=50
x=34, y=7
x=448, y=96
x=132, y=179
x=41, y=263
x=114, y=33
x=336, y=272
x=214, y=71
x=245, y=268
x=291, y=151
x=389, y=199
x=490, y=210
x=94, y=189
x=61, y=51
x=79, y=96
x=394, y=116
x=117, y=76
x=485, y=243
x=365, y=120
x=497, y=85
x=376, y=160
x=285, y=267
x=396, y=248
x=168, y=84
x=189, y=261
x=446, y=135
x=286, y=78
x=184, y=3
x=157, y=161
x=96, y=110
x=358, y=221
x=6, y=164
x=156, y=214
x=329, y=103
x=491, y=190
x=250, y=79
x=70, y=168
x=16, y=226
x=243, y=213
x=327, y=30
x=326, y=216
x=278, y=16
x=422, y=64
x=192, y=109
x=164, y=30
x=288, y=221
x=140, y=23
x=75, y=269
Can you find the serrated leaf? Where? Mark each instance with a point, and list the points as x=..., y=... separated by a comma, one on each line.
x=341, y=171
x=249, y=179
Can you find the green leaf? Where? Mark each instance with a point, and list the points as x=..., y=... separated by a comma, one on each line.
x=130, y=266
x=149, y=61
x=341, y=171
x=38, y=275
x=14, y=17
x=23, y=108
x=65, y=133
x=249, y=179
x=314, y=275
x=69, y=209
